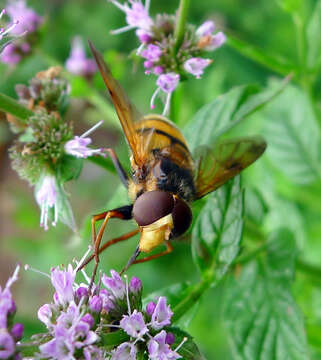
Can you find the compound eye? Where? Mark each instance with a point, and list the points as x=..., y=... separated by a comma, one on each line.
x=182, y=217
x=152, y=206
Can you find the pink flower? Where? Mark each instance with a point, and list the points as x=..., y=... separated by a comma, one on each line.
x=63, y=281
x=207, y=28
x=45, y=314
x=135, y=285
x=28, y=19
x=158, y=349
x=115, y=284
x=136, y=16
x=167, y=83
x=134, y=324
x=78, y=145
x=125, y=351
x=77, y=63
x=152, y=53
x=207, y=40
x=6, y=31
x=143, y=36
x=162, y=314
x=196, y=66
x=7, y=344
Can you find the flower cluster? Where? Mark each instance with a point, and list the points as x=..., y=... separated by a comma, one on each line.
x=78, y=63
x=6, y=32
x=10, y=333
x=43, y=151
x=158, y=46
x=25, y=21
x=82, y=314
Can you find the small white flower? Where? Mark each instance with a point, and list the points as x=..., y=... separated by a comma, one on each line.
x=46, y=197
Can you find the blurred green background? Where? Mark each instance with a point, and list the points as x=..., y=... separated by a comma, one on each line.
x=259, y=22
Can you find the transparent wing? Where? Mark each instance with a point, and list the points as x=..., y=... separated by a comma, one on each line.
x=126, y=111
x=214, y=166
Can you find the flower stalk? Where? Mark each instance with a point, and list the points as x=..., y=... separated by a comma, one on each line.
x=11, y=106
x=180, y=24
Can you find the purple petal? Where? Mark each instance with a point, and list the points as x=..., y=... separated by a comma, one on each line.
x=63, y=281
x=7, y=344
x=77, y=63
x=196, y=66
x=125, y=351
x=28, y=19
x=161, y=315
x=45, y=314
x=134, y=324
x=207, y=28
x=135, y=285
x=17, y=331
x=168, y=82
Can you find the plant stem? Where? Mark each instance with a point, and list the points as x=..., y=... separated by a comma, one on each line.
x=195, y=293
x=250, y=255
x=11, y=106
x=180, y=24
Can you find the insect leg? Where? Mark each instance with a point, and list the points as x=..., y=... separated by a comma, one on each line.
x=109, y=243
x=118, y=166
x=151, y=257
x=124, y=213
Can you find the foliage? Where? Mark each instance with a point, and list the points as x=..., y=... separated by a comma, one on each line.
x=255, y=241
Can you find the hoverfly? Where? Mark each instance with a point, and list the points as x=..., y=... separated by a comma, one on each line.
x=165, y=177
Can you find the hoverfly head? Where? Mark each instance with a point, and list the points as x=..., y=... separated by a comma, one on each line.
x=161, y=216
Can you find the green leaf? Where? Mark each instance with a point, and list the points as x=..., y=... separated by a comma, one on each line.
x=277, y=63
x=65, y=213
x=226, y=111
x=69, y=168
x=291, y=6
x=189, y=350
x=218, y=229
x=103, y=162
x=262, y=317
x=112, y=339
x=255, y=206
x=293, y=136
x=313, y=37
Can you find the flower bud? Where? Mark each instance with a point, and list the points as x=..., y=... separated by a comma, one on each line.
x=150, y=308
x=170, y=338
x=135, y=285
x=88, y=319
x=81, y=291
x=17, y=331
x=95, y=304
